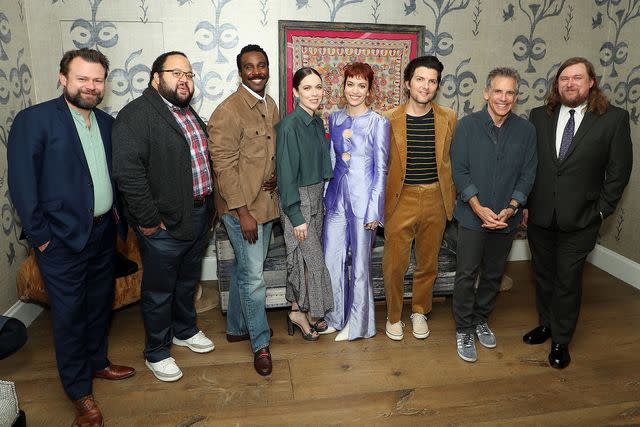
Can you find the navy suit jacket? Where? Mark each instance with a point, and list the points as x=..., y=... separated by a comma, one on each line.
x=49, y=179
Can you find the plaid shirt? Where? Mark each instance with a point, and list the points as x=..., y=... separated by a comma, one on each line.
x=202, y=183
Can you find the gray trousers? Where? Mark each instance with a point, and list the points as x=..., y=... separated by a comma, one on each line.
x=482, y=253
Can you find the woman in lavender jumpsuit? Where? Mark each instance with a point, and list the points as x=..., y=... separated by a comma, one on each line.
x=354, y=203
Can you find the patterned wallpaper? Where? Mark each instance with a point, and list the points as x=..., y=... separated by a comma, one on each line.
x=469, y=36
x=16, y=93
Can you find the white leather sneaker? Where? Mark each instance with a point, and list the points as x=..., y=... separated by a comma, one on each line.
x=165, y=370
x=198, y=343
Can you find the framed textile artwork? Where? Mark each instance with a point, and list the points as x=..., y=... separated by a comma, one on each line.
x=329, y=47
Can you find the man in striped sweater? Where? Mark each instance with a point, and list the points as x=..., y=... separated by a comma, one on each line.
x=420, y=195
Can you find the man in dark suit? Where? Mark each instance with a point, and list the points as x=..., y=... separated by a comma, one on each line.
x=59, y=158
x=162, y=167
x=584, y=164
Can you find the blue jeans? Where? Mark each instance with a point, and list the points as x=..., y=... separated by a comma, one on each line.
x=247, y=291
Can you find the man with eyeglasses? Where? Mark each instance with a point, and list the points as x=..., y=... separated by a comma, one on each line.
x=162, y=167
x=493, y=156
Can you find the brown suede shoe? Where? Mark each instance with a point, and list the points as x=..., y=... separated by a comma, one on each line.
x=114, y=372
x=87, y=412
x=262, y=361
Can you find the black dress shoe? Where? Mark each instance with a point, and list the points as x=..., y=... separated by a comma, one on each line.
x=537, y=335
x=559, y=357
x=243, y=337
x=262, y=361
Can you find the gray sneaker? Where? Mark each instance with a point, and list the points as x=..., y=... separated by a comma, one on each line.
x=485, y=335
x=466, y=346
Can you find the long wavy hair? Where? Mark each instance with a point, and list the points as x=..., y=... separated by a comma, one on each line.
x=597, y=101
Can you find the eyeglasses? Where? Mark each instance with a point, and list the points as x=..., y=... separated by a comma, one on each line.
x=179, y=73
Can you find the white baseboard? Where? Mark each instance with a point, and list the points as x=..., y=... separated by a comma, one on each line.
x=24, y=311
x=615, y=264
x=520, y=250
x=209, y=268
x=605, y=259
x=27, y=312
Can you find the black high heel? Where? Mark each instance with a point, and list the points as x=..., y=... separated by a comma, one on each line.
x=290, y=329
x=317, y=328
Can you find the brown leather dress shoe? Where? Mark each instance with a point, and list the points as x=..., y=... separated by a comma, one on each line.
x=115, y=372
x=87, y=412
x=262, y=361
x=243, y=337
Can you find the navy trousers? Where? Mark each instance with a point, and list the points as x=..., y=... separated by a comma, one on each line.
x=172, y=269
x=80, y=289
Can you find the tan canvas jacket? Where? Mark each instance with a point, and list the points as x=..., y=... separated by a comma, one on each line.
x=445, y=123
x=242, y=145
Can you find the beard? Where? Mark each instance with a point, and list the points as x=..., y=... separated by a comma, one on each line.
x=172, y=96
x=78, y=101
x=573, y=102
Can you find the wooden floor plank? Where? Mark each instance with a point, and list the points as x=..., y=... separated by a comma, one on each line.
x=373, y=381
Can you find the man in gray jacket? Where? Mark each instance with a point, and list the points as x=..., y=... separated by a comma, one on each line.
x=162, y=167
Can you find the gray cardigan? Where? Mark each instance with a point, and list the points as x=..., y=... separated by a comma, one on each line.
x=152, y=166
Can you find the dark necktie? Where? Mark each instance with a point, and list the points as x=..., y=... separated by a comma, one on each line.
x=567, y=136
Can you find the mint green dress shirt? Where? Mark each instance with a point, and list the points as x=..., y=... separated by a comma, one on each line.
x=93, y=148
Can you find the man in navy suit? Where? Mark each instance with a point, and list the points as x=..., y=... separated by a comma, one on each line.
x=59, y=157
x=584, y=164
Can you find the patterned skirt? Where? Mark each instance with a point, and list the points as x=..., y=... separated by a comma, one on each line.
x=308, y=282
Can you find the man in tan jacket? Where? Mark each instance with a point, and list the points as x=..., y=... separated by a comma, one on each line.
x=420, y=195
x=242, y=145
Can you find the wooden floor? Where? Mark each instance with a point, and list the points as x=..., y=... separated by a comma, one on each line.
x=373, y=381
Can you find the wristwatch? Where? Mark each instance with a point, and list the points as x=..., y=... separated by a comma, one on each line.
x=514, y=207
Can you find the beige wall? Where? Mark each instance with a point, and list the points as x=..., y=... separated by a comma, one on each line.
x=474, y=37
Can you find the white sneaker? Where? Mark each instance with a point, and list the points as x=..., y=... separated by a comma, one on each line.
x=344, y=334
x=198, y=343
x=394, y=330
x=165, y=370
x=420, y=327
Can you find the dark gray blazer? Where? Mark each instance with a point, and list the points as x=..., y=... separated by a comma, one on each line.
x=152, y=165
x=592, y=176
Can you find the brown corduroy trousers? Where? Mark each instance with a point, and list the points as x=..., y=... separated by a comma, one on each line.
x=419, y=216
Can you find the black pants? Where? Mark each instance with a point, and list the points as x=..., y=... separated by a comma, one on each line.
x=13, y=335
x=80, y=289
x=484, y=253
x=558, y=259
x=171, y=271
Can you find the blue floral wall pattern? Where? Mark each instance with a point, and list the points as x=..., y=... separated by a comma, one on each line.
x=620, y=13
x=532, y=47
x=215, y=35
x=469, y=36
x=15, y=94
